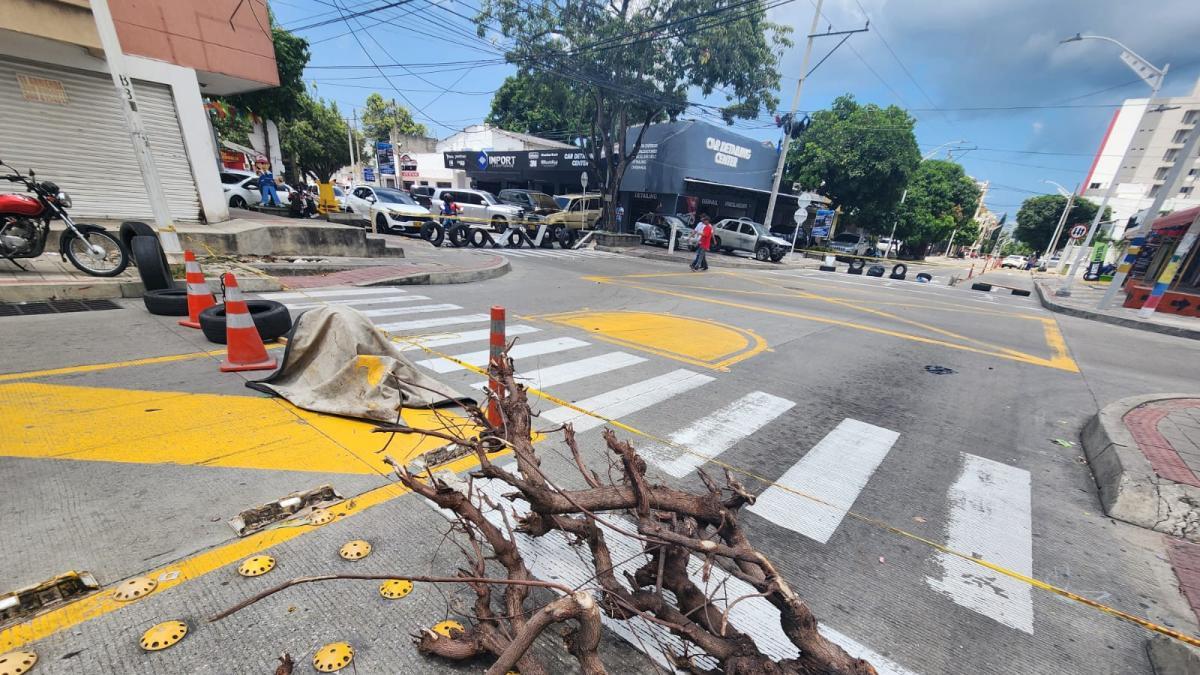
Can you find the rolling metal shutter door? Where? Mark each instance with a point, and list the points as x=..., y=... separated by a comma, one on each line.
x=84, y=147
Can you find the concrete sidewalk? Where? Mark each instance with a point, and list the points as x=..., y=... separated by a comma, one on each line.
x=1085, y=296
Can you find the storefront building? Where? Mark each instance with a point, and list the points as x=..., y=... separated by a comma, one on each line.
x=554, y=172
x=1165, y=238
x=693, y=167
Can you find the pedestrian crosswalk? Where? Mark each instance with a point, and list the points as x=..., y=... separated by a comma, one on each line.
x=553, y=253
x=987, y=507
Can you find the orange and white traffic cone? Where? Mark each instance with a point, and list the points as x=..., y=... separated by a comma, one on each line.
x=244, y=348
x=199, y=298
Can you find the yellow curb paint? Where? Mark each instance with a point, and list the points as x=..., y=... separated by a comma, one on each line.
x=96, y=367
x=155, y=427
x=699, y=342
x=1059, y=361
x=192, y=568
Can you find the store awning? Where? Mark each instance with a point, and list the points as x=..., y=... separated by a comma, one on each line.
x=701, y=181
x=1171, y=225
x=237, y=147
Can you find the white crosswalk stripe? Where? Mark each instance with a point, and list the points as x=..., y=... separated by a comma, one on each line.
x=356, y=303
x=834, y=471
x=332, y=293
x=626, y=400
x=401, y=327
x=435, y=340
x=717, y=432
x=553, y=253
x=573, y=370
x=519, y=351
x=990, y=518
x=418, y=309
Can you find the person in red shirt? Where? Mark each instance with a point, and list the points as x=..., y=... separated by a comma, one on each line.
x=705, y=231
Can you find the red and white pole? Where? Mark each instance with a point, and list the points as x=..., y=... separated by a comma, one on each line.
x=495, y=353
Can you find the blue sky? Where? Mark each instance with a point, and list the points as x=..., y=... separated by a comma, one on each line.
x=990, y=72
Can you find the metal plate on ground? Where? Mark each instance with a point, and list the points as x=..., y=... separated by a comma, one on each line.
x=55, y=307
x=355, y=550
x=333, y=657
x=394, y=589
x=256, y=566
x=320, y=517
x=260, y=517
x=163, y=635
x=17, y=663
x=31, y=600
x=132, y=589
x=448, y=626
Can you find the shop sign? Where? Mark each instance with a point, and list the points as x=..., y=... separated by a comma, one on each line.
x=368, y=174
x=386, y=158
x=737, y=205
x=645, y=195
x=726, y=153
x=408, y=167
x=232, y=160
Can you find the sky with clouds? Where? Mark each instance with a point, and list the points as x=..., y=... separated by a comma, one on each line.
x=989, y=72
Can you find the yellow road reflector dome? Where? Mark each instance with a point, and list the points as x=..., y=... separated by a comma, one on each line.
x=446, y=626
x=355, y=550
x=16, y=663
x=394, y=589
x=256, y=566
x=333, y=657
x=163, y=635
x=132, y=589
x=320, y=517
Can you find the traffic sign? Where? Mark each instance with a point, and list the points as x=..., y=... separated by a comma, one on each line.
x=1078, y=231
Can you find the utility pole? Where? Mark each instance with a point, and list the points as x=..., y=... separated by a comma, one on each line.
x=787, y=140
x=1152, y=76
x=1062, y=219
x=137, y=132
x=895, y=222
x=1183, y=160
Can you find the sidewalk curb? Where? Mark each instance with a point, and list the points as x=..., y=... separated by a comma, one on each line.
x=1047, y=299
x=1171, y=657
x=448, y=277
x=1129, y=488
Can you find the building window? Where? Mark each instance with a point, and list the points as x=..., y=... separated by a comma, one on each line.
x=1094, y=186
x=1191, y=116
x=443, y=184
x=1154, y=191
x=1186, y=190
x=1180, y=136
x=1161, y=174
x=1169, y=156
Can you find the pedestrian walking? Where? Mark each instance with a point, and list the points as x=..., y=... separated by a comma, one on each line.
x=266, y=188
x=704, y=233
x=448, y=210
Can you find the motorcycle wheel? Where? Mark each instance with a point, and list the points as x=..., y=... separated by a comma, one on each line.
x=112, y=262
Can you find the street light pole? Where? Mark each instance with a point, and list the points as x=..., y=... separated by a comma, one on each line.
x=787, y=138
x=1152, y=76
x=1062, y=220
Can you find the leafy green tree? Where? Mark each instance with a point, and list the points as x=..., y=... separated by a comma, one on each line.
x=316, y=139
x=639, y=60
x=861, y=157
x=545, y=105
x=379, y=117
x=941, y=198
x=1039, y=216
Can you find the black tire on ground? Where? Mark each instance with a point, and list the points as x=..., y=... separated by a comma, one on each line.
x=925, y=277
x=151, y=263
x=237, y=202
x=499, y=225
x=777, y=255
x=270, y=318
x=515, y=239
x=980, y=286
x=828, y=268
x=458, y=235
x=856, y=266
x=876, y=270
x=1021, y=292
x=426, y=231
x=437, y=234
x=899, y=271
x=381, y=225
x=166, y=301
x=566, y=237
x=762, y=253
x=132, y=228
x=547, y=240
x=480, y=238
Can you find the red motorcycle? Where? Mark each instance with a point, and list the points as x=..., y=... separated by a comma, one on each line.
x=25, y=227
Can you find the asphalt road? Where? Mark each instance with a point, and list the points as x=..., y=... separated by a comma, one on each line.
x=872, y=415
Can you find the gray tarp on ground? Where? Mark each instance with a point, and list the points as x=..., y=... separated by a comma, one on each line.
x=338, y=362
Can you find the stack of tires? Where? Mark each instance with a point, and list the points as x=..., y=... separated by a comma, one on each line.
x=164, y=297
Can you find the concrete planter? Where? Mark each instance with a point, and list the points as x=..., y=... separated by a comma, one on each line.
x=617, y=240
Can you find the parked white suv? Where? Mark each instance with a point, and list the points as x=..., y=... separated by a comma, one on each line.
x=743, y=234
x=479, y=208
x=389, y=210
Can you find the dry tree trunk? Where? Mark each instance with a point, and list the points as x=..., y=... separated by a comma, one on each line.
x=672, y=525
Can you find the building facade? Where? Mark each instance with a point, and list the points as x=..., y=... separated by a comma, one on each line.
x=60, y=114
x=1154, y=135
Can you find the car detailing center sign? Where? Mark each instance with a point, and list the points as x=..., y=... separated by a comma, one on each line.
x=726, y=153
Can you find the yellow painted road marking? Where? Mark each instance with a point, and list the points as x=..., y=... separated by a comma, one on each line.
x=699, y=342
x=155, y=427
x=1059, y=360
x=97, y=367
x=192, y=568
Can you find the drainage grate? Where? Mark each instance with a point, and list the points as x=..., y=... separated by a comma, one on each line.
x=55, y=307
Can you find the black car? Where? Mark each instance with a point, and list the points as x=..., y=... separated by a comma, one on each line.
x=532, y=201
x=423, y=195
